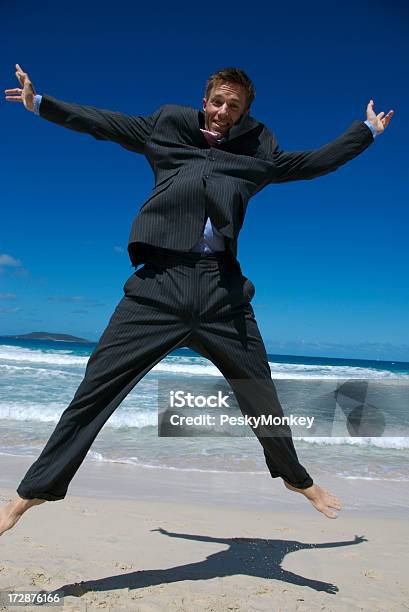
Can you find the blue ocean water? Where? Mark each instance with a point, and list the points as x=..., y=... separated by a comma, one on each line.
x=38, y=380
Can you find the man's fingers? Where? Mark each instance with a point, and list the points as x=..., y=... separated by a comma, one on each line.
x=386, y=119
x=380, y=115
x=21, y=75
x=20, y=78
x=14, y=94
x=20, y=70
x=370, y=114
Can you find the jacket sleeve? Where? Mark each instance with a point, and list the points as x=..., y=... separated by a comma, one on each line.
x=303, y=165
x=132, y=132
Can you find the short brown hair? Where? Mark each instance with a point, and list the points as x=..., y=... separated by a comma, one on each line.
x=232, y=75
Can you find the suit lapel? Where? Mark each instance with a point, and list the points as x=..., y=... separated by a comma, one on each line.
x=245, y=124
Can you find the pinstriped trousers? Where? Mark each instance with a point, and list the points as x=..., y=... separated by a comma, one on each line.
x=175, y=300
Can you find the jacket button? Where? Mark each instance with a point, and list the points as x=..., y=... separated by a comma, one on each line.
x=206, y=176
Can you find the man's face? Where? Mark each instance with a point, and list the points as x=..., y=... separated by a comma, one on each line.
x=224, y=107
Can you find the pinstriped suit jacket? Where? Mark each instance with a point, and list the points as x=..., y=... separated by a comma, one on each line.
x=194, y=180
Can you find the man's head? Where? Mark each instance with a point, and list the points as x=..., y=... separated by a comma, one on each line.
x=229, y=93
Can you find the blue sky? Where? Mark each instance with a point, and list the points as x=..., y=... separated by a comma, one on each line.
x=328, y=257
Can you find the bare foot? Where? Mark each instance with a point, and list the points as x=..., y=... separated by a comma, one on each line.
x=321, y=500
x=13, y=510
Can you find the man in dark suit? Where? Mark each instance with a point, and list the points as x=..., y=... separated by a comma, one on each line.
x=190, y=290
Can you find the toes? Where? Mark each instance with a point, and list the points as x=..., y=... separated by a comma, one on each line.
x=333, y=502
x=330, y=514
x=324, y=508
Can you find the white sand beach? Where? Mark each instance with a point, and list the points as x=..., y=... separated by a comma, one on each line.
x=149, y=540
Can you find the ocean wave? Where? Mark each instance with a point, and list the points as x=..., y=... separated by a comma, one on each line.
x=132, y=416
x=139, y=419
x=52, y=357
x=36, y=372
x=136, y=462
x=205, y=369
x=39, y=413
x=198, y=366
x=402, y=479
x=398, y=443
x=51, y=412
x=308, y=372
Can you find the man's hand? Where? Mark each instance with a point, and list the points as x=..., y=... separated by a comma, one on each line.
x=25, y=95
x=380, y=122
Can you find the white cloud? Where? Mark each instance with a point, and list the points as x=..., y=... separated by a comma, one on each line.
x=8, y=260
x=7, y=296
x=66, y=298
x=75, y=299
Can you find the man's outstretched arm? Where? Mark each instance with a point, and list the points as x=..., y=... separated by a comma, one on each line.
x=132, y=132
x=302, y=165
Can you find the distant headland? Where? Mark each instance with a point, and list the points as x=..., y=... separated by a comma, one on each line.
x=49, y=336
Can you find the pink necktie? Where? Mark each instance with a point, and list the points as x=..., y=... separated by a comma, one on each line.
x=211, y=137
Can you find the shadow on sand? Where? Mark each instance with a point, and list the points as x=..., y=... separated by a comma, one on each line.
x=244, y=556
